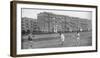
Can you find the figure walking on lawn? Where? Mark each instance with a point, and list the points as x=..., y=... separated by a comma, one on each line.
x=30, y=40
x=78, y=36
x=62, y=37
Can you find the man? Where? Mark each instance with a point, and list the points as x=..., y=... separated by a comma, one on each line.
x=62, y=37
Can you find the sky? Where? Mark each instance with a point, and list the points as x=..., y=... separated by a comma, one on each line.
x=32, y=13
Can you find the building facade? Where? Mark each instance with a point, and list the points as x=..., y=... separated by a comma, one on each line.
x=29, y=25
x=50, y=22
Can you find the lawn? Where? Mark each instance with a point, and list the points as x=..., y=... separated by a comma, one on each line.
x=53, y=40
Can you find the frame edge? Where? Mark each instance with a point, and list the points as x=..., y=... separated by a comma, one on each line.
x=13, y=29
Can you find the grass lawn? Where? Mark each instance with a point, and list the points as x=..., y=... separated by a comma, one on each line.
x=53, y=40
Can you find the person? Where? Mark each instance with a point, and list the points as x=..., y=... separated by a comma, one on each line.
x=30, y=40
x=30, y=37
x=78, y=35
x=62, y=37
